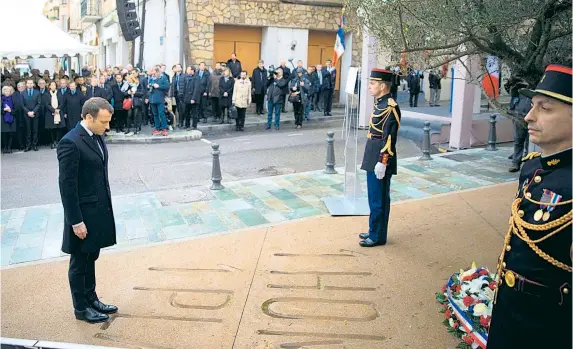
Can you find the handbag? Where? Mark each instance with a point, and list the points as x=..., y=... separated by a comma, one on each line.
x=233, y=112
x=127, y=104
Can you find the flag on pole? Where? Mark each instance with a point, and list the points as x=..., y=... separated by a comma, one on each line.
x=339, y=45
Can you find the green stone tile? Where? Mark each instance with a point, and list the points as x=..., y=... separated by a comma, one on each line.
x=226, y=194
x=283, y=194
x=34, y=222
x=169, y=216
x=303, y=213
x=30, y=240
x=9, y=239
x=6, y=255
x=21, y=255
x=296, y=203
x=251, y=217
x=5, y=216
x=193, y=218
x=210, y=218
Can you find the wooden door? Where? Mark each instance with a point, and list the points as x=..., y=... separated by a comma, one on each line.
x=321, y=48
x=249, y=53
x=223, y=50
x=245, y=42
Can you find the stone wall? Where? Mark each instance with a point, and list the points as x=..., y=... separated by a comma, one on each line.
x=202, y=15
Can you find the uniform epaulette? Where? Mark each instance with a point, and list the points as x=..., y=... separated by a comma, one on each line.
x=531, y=155
x=392, y=102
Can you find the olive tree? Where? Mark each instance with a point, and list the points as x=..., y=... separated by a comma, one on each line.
x=525, y=35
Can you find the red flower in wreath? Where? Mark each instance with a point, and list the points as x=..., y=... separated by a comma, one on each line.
x=456, y=325
x=468, y=300
x=474, y=276
x=467, y=278
x=484, y=320
x=458, y=288
x=444, y=288
x=448, y=314
x=492, y=285
x=483, y=272
x=467, y=339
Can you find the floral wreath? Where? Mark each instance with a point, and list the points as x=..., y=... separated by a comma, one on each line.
x=467, y=300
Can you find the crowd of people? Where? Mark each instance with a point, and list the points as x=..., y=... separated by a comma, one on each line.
x=41, y=108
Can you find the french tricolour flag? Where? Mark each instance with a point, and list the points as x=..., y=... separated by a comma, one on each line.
x=339, y=43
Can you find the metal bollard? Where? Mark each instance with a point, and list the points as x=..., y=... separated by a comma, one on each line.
x=216, y=176
x=492, y=136
x=330, y=161
x=426, y=142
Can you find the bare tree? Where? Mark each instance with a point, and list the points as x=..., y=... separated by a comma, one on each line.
x=525, y=35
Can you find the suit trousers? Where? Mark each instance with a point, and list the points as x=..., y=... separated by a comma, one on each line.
x=260, y=102
x=194, y=110
x=298, y=113
x=316, y=101
x=327, y=100
x=121, y=119
x=201, y=106
x=434, y=96
x=180, y=109
x=520, y=141
x=240, y=122
x=379, y=202
x=134, y=119
x=413, y=99
x=32, y=130
x=81, y=275
x=215, y=108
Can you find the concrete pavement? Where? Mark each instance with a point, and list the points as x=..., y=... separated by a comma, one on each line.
x=294, y=285
x=35, y=233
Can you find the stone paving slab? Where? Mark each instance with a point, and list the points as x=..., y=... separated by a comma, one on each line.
x=34, y=233
x=300, y=284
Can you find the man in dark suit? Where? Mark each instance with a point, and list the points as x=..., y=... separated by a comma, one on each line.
x=330, y=93
x=93, y=90
x=63, y=87
x=105, y=89
x=202, y=86
x=31, y=107
x=73, y=103
x=325, y=84
x=89, y=223
x=286, y=76
x=259, y=79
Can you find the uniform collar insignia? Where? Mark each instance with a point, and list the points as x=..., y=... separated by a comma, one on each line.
x=557, y=160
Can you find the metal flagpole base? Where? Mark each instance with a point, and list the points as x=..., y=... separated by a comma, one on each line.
x=347, y=206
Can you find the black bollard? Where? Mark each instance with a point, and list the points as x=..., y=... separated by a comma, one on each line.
x=216, y=176
x=330, y=161
x=426, y=142
x=492, y=136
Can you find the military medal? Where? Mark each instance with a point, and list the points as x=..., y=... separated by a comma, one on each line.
x=538, y=215
x=551, y=198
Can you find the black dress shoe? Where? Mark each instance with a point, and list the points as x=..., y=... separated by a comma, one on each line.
x=369, y=243
x=35, y=148
x=364, y=236
x=27, y=149
x=514, y=168
x=90, y=315
x=104, y=308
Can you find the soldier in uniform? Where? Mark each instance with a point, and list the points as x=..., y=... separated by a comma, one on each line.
x=532, y=308
x=380, y=156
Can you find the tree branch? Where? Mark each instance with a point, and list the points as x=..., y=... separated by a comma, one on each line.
x=435, y=48
x=402, y=28
x=451, y=59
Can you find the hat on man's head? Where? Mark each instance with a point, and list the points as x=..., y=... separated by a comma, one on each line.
x=555, y=83
x=381, y=75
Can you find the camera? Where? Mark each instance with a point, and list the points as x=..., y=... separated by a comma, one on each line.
x=272, y=71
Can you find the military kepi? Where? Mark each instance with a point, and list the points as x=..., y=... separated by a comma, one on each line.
x=381, y=75
x=555, y=83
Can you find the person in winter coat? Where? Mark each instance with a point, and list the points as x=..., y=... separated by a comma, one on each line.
x=214, y=92
x=226, y=86
x=234, y=66
x=259, y=80
x=190, y=109
x=435, y=86
x=119, y=93
x=9, y=122
x=203, y=82
x=159, y=86
x=193, y=95
x=299, y=88
x=287, y=77
x=414, y=86
x=241, y=99
x=177, y=91
x=73, y=103
x=275, y=86
x=138, y=94
x=54, y=120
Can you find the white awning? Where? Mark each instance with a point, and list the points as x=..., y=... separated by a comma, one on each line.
x=27, y=33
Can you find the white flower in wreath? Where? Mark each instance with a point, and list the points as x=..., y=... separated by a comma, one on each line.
x=475, y=345
x=467, y=272
x=474, y=286
x=488, y=293
x=481, y=309
x=451, y=322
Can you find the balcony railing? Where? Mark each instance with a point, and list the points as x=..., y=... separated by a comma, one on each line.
x=90, y=8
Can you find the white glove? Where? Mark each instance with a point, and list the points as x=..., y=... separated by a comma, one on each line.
x=380, y=170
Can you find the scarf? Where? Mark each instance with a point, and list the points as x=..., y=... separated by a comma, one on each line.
x=54, y=103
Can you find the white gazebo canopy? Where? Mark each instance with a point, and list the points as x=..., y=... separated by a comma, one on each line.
x=26, y=32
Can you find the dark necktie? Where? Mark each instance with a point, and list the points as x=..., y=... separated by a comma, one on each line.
x=97, y=143
x=29, y=93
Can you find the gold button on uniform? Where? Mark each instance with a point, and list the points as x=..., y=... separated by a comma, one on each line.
x=528, y=194
x=508, y=248
x=521, y=213
x=566, y=290
x=537, y=179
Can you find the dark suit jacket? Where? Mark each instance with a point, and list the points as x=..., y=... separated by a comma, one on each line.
x=326, y=79
x=106, y=92
x=332, y=78
x=259, y=79
x=177, y=90
x=73, y=107
x=85, y=192
x=94, y=91
x=32, y=103
x=202, y=84
x=226, y=87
